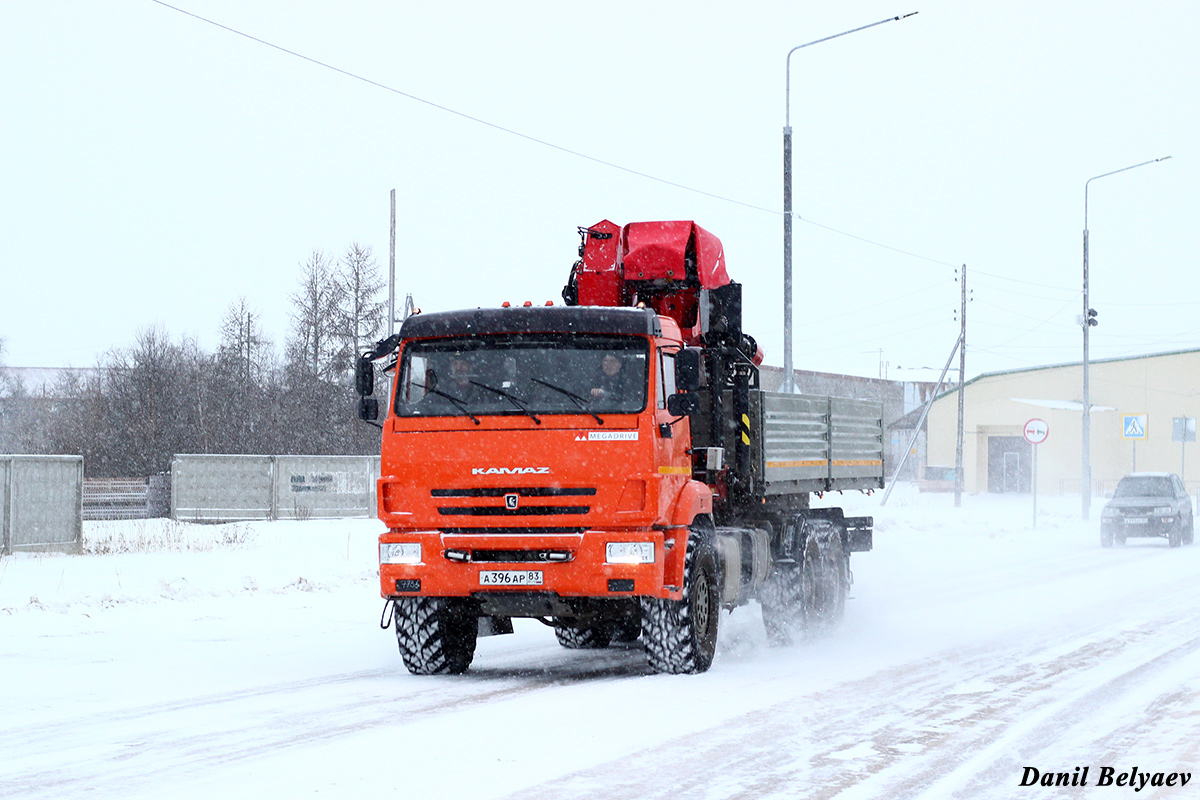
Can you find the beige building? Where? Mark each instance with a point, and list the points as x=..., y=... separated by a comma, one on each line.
x=1154, y=389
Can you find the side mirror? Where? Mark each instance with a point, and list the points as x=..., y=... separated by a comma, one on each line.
x=687, y=369
x=364, y=377
x=683, y=405
x=368, y=409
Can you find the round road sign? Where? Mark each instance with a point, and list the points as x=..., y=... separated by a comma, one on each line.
x=1036, y=431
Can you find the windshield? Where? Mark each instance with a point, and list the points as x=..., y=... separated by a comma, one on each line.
x=529, y=375
x=1144, y=486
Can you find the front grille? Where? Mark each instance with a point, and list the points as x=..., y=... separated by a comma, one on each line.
x=1128, y=511
x=520, y=491
x=512, y=507
x=501, y=511
x=519, y=531
x=521, y=556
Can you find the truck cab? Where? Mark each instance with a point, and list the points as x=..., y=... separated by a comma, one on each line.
x=531, y=465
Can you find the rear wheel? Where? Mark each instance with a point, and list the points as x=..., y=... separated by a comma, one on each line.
x=593, y=637
x=680, y=636
x=436, y=635
x=824, y=577
x=781, y=599
x=1189, y=532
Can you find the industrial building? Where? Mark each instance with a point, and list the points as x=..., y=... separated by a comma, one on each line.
x=902, y=403
x=1138, y=408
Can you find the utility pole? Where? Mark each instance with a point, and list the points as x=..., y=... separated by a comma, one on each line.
x=962, y=367
x=392, y=272
x=1088, y=320
x=789, y=376
x=917, y=431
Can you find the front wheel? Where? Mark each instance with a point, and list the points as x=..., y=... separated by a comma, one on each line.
x=680, y=636
x=1175, y=536
x=436, y=635
x=1106, y=538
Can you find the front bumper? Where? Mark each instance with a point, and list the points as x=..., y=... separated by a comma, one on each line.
x=1132, y=528
x=565, y=565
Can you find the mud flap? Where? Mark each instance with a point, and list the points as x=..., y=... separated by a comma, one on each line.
x=495, y=626
x=859, y=535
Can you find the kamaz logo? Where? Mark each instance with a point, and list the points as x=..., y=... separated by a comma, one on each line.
x=510, y=471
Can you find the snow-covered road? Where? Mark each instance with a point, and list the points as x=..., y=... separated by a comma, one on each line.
x=247, y=661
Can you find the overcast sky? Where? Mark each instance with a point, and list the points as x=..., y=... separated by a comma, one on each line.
x=156, y=168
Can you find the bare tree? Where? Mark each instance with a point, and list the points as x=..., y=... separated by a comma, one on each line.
x=314, y=344
x=363, y=314
x=244, y=344
x=136, y=411
x=7, y=382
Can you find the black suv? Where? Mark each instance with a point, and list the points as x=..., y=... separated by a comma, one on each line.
x=1148, y=504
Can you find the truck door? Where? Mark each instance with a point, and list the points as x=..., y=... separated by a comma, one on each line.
x=671, y=436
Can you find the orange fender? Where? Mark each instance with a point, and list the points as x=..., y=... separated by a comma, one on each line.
x=694, y=501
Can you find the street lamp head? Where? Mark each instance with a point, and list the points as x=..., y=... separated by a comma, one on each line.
x=787, y=114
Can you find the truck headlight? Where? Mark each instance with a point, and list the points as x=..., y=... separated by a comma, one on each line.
x=1163, y=511
x=629, y=552
x=400, y=553
x=1110, y=513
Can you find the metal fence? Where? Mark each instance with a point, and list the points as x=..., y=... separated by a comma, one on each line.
x=41, y=503
x=115, y=498
x=226, y=488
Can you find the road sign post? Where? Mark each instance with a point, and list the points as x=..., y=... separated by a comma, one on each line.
x=1183, y=430
x=1035, y=432
x=1134, y=427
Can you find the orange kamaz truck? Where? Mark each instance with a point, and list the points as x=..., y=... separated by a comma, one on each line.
x=610, y=467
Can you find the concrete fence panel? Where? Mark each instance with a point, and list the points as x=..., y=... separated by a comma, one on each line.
x=226, y=488
x=41, y=503
x=311, y=487
x=221, y=488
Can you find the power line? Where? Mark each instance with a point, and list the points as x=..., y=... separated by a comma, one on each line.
x=875, y=243
x=536, y=140
x=1018, y=280
x=461, y=114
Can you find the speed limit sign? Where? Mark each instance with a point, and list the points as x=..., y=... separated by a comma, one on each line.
x=1036, y=431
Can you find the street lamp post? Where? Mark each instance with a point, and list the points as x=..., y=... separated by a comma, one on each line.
x=1089, y=320
x=788, y=379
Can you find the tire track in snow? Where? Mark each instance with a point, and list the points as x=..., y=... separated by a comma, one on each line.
x=946, y=725
x=165, y=741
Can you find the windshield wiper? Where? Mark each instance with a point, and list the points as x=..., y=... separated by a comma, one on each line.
x=512, y=398
x=576, y=399
x=458, y=403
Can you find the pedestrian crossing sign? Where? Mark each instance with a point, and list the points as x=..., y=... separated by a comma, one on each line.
x=1133, y=426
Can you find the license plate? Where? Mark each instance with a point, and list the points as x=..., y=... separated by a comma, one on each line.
x=1136, y=520
x=511, y=577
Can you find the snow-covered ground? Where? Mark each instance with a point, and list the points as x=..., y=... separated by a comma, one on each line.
x=247, y=661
